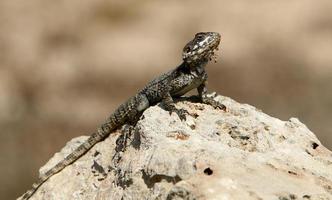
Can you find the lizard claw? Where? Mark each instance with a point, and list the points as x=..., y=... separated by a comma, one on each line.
x=218, y=105
x=181, y=113
x=215, y=104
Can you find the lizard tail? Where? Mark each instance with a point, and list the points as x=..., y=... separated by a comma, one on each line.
x=82, y=149
x=117, y=119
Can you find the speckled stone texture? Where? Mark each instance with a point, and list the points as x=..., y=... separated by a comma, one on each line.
x=240, y=153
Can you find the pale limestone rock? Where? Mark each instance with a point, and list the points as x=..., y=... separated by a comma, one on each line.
x=240, y=153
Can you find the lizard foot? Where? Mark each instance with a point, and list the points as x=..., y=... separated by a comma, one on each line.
x=182, y=113
x=214, y=103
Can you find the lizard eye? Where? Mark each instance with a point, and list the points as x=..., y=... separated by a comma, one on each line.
x=200, y=37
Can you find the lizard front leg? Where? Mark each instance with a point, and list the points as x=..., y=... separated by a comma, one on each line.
x=202, y=94
x=168, y=104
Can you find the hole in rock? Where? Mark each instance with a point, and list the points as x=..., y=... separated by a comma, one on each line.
x=314, y=145
x=208, y=171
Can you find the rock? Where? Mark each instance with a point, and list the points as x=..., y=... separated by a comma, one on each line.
x=240, y=153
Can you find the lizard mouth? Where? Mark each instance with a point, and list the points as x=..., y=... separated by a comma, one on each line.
x=213, y=47
x=213, y=55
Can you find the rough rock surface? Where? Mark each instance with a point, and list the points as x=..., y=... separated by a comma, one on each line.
x=240, y=153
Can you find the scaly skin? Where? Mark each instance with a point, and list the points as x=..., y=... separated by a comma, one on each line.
x=187, y=76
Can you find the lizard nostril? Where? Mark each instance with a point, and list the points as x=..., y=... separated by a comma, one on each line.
x=187, y=50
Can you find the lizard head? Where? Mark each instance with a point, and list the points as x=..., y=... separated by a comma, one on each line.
x=201, y=48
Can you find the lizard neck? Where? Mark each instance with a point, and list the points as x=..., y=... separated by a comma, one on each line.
x=197, y=67
x=197, y=64
x=188, y=77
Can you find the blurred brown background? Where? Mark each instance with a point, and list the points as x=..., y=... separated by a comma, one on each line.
x=65, y=65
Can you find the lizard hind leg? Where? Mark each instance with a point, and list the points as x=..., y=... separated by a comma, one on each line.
x=122, y=141
x=126, y=131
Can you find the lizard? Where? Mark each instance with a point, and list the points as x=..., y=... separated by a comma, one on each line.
x=190, y=74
